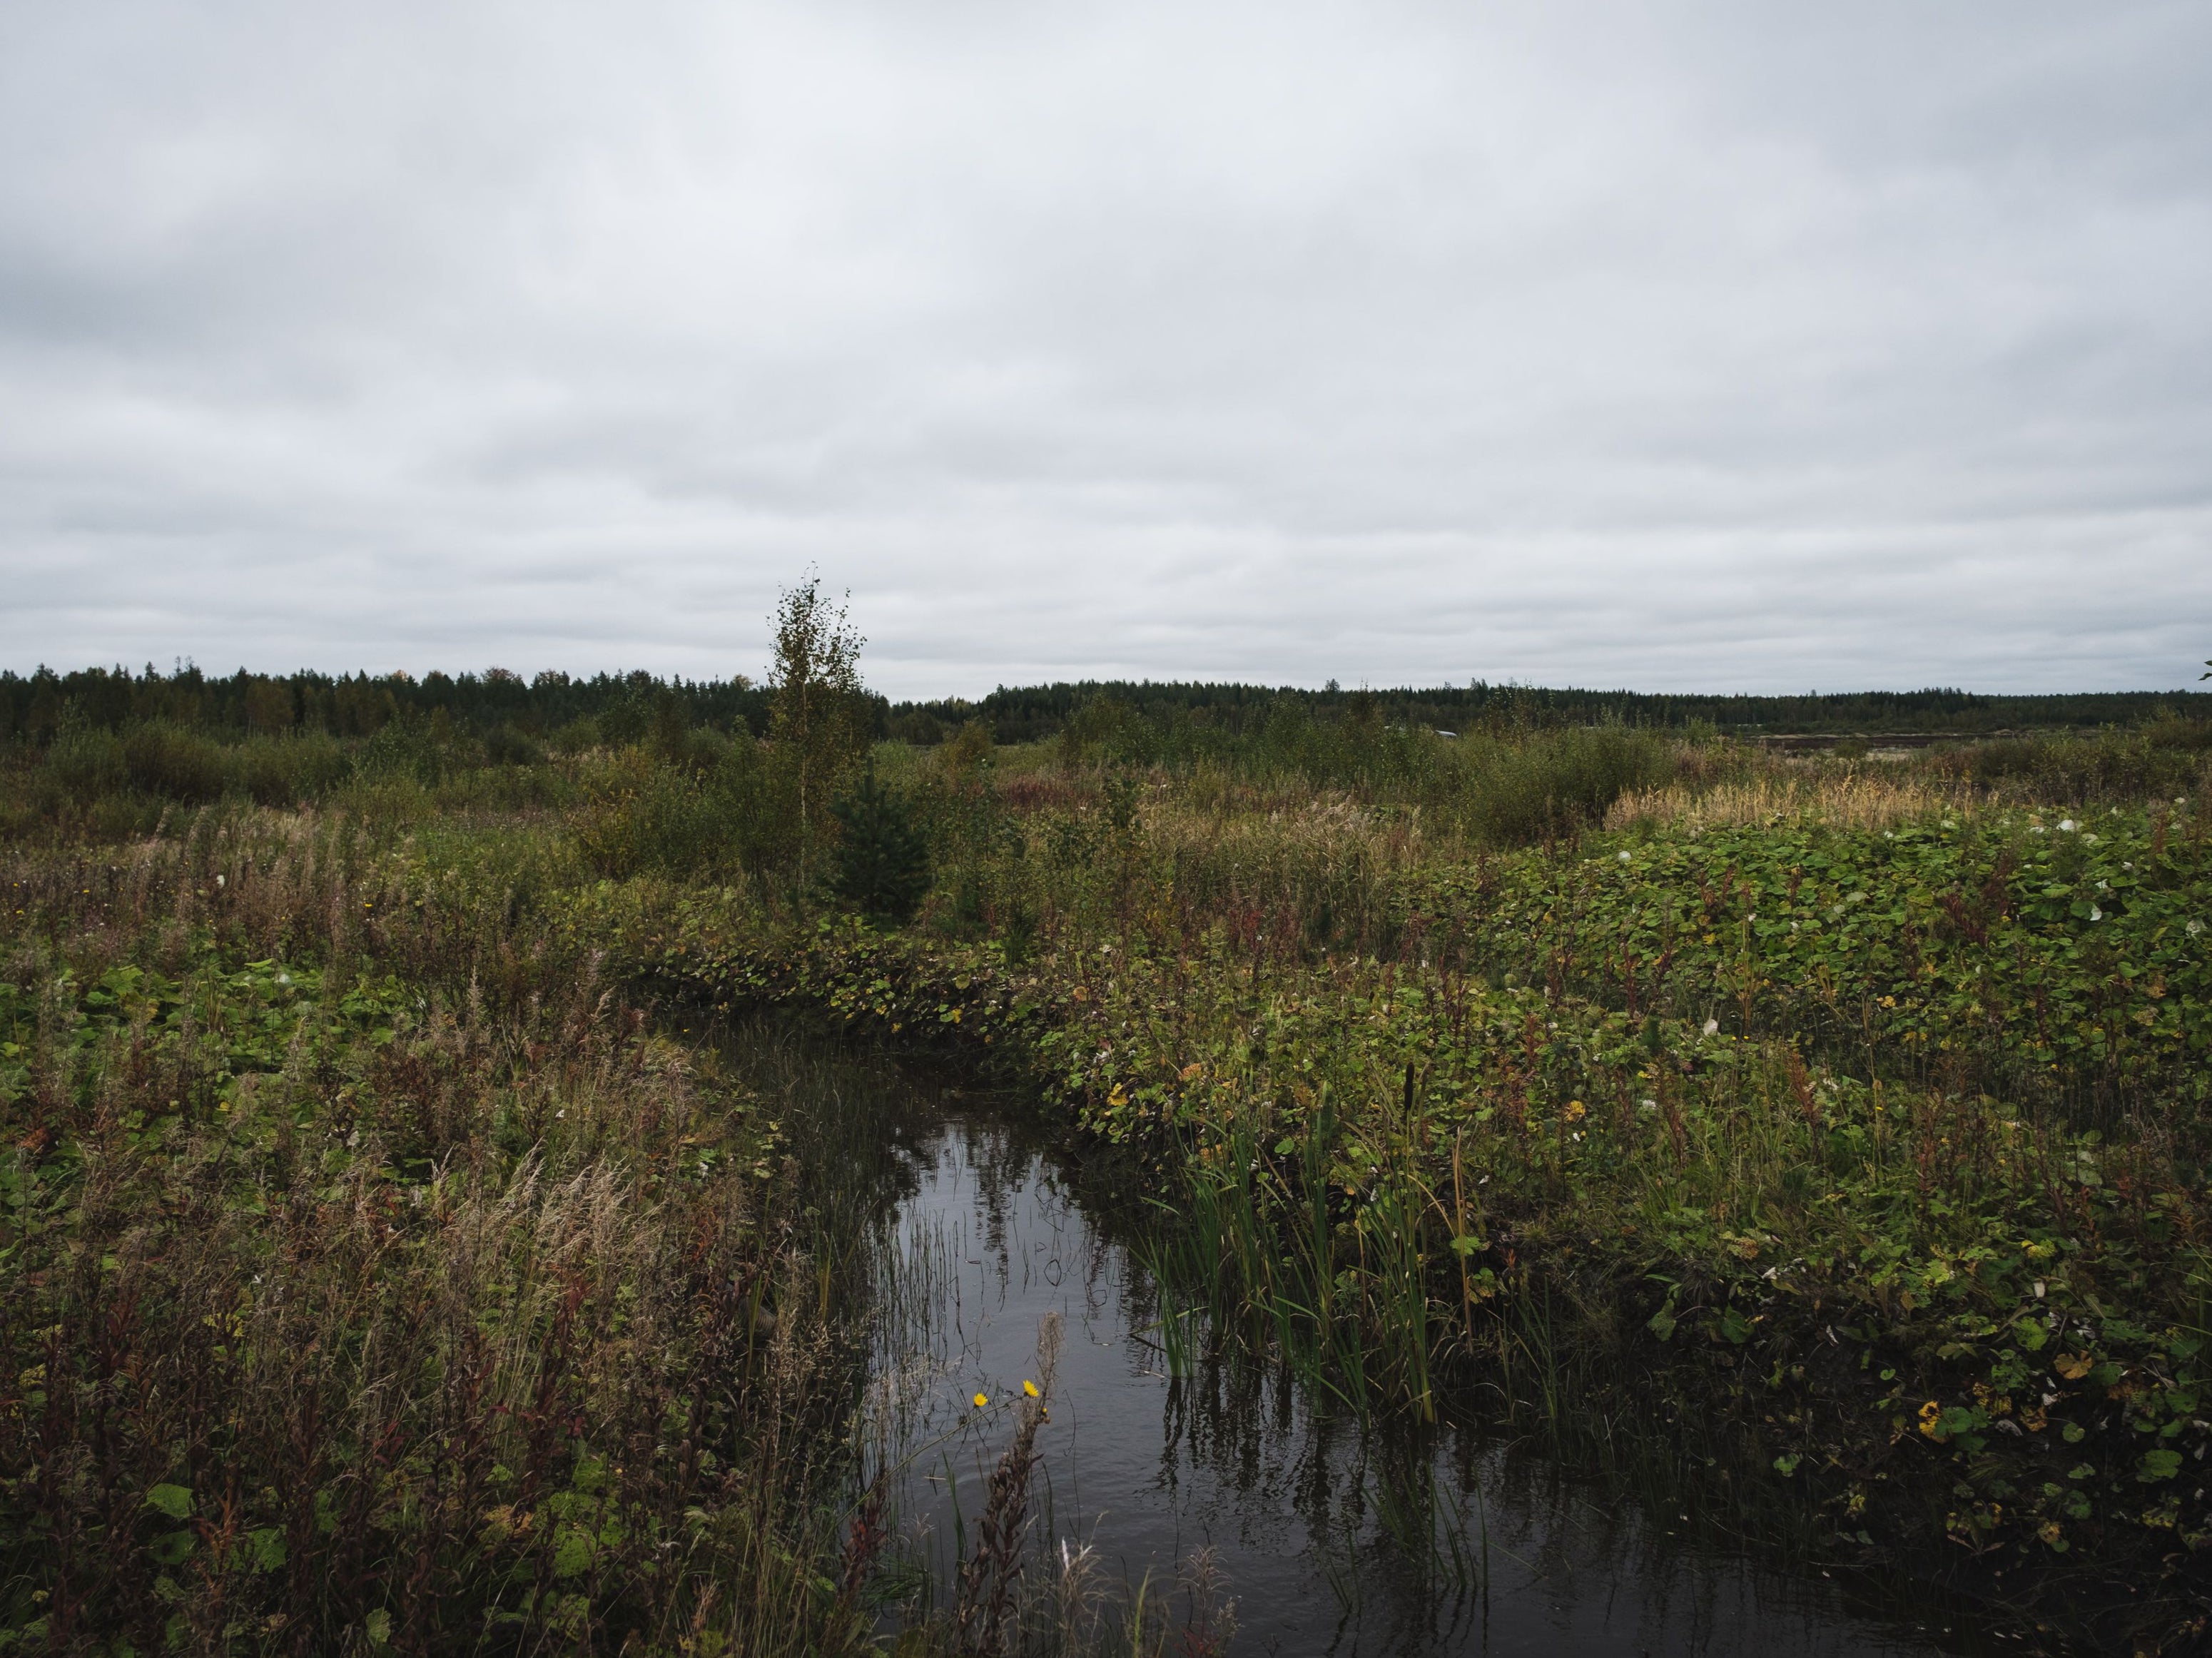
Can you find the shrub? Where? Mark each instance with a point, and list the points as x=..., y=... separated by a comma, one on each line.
x=968, y=751
x=1547, y=786
x=174, y=763
x=507, y=746
x=1107, y=729
x=426, y=750
x=87, y=763
x=2119, y=767
x=919, y=728
x=575, y=736
x=644, y=815
x=278, y=771
x=755, y=805
x=625, y=721
x=505, y=788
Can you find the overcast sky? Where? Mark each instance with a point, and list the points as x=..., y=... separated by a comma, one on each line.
x=1736, y=347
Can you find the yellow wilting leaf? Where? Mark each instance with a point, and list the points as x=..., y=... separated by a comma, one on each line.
x=2072, y=1366
x=1189, y=1070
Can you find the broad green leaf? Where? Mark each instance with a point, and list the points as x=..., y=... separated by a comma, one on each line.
x=175, y=1500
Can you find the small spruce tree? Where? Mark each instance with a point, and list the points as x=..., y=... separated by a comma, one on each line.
x=881, y=867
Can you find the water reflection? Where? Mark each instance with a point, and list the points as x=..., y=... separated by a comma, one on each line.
x=1235, y=1484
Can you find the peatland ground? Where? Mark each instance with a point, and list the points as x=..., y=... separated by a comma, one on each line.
x=400, y=1255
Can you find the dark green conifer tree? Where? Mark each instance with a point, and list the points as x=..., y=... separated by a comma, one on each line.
x=881, y=867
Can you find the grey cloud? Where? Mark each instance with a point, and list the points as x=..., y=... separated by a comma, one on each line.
x=1711, y=346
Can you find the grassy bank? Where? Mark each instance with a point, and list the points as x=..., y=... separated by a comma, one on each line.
x=379, y=1280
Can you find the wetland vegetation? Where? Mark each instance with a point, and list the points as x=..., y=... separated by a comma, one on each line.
x=416, y=1239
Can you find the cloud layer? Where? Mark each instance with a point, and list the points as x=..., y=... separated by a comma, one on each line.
x=1725, y=346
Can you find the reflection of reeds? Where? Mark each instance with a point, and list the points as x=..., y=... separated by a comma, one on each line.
x=1020, y=1580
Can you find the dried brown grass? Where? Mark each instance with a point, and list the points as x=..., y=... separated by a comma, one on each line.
x=1855, y=799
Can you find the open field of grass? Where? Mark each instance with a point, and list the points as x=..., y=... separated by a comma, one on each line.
x=391, y=1262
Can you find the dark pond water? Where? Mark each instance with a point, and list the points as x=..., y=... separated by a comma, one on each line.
x=1320, y=1540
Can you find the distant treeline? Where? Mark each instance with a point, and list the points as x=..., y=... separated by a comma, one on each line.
x=1026, y=713
x=617, y=707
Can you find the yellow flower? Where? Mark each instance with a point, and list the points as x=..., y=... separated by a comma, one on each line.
x=982, y=1400
x=1575, y=1110
x=1030, y=1389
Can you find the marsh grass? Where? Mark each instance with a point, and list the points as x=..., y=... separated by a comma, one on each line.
x=1845, y=1111
x=1858, y=796
x=2159, y=760
x=448, y=1308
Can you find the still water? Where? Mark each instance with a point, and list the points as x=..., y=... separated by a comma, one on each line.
x=1236, y=1499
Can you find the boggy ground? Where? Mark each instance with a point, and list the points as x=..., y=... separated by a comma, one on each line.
x=383, y=1276
x=383, y=1273
x=1865, y=1160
